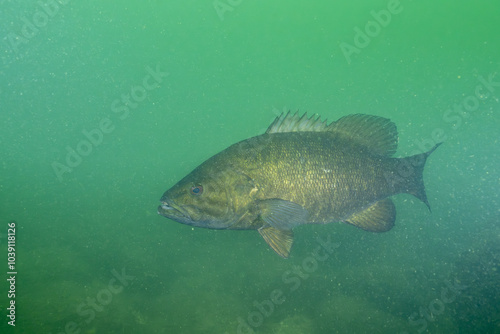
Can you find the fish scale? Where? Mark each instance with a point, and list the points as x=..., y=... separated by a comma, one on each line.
x=328, y=194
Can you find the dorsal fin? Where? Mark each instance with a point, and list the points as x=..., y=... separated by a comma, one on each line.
x=295, y=123
x=378, y=134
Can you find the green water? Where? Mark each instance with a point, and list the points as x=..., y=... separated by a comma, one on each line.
x=222, y=75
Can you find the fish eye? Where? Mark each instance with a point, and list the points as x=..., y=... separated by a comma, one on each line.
x=197, y=190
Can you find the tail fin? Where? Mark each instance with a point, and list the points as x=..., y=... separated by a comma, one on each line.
x=415, y=185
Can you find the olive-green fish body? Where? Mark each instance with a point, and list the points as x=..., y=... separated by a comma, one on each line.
x=301, y=171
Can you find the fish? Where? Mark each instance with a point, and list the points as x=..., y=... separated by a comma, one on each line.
x=302, y=170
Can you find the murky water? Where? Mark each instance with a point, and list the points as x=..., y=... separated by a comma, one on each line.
x=106, y=106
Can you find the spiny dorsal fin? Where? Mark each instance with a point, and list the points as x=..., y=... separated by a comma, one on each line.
x=378, y=134
x=379, y=217
x=295, y=123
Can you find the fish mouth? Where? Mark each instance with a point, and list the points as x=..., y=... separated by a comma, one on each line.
x=171, y=211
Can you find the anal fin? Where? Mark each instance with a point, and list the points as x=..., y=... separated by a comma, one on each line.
x=379, y=217
x=280, y=240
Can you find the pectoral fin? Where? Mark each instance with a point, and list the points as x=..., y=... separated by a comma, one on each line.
x=379, y=217
x=281, y=214
x=279, y=240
